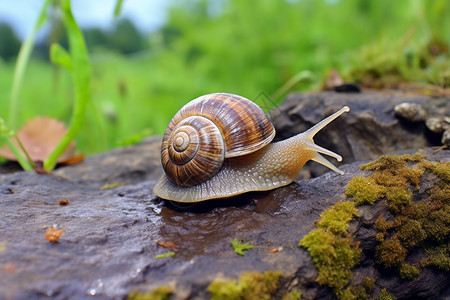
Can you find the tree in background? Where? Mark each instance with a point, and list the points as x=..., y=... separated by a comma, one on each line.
x=125, y=37
x=9, y=43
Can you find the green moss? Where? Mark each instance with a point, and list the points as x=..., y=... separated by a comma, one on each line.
x=333, y=251
x=439, y=257
x=408, y=271
x=437, y=224
x=364, y=190
x=353, y=293
x=392, y=162
x=385, y=295
x=425, y=223
x=386, y=179
x=334, y=256
x=417, y=211
x=411, y=233
x=416, y=157
x=382, y=225
x=391, y=178
x=441, y=169
x=337, y=219
x=369, y=283
x=398, y=198
x=390, y=252
x=440, y=194
x=385, y=162
x=160, y=293
x=294, y=295
x=412, y=174
x=360, y=292
x=250, y=286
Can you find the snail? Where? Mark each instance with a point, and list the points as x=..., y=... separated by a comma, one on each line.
x=219, y=145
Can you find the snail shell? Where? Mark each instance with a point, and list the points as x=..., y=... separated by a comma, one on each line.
x=209, y=129
x=218, y=146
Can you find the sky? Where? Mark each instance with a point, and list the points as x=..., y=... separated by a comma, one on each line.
x=147, y=15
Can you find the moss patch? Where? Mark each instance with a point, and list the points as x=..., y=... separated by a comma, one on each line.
x=391, y=252
x=409, y=271
x=160, y=293
x=294, y=295
x=410, y=233
x=364, y=190
x=409, y=224
x=439, y=258
x=391, y=179
x=333, y=251
x=250, y=286
x=338, y=218
x=442, y=170
x=385, y=295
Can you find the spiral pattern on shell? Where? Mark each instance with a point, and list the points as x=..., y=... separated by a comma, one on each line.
x=209, y=129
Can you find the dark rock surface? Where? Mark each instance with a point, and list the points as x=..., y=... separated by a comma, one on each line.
x=110, y=240
x=369, y=130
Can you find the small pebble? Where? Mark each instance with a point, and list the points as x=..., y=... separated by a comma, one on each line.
x=435, y=124
x=410, y=111
x=440, y=125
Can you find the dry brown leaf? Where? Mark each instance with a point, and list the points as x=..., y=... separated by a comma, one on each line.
x=39, y=137
x=171, y=245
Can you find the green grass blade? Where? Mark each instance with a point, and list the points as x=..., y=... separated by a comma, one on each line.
x=20, y=159
x=5, y=137
x=59, y=55
x=81, y=73
x=22, y=61
x=118, y=8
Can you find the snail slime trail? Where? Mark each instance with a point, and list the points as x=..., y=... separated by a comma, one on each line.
x=219, y=146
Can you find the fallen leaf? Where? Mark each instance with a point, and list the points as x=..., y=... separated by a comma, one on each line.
x=52, y=234
x=73, y=160
x=39, y=136
x=168, y=245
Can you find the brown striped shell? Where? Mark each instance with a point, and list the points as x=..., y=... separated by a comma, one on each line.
x=209, y=129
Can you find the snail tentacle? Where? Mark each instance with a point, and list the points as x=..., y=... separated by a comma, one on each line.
x=323, y=161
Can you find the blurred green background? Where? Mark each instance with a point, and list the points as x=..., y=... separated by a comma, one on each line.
x=250, y=48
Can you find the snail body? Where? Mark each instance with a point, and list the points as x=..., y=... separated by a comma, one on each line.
x=247, y=161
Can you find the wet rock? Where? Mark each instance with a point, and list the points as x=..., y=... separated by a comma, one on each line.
x=369, y=130
x=119, y=166
x=114, y=228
